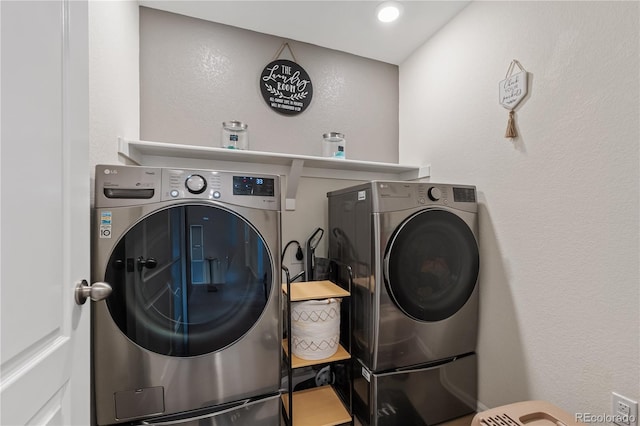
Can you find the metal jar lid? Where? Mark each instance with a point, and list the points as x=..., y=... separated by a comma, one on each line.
x=333, y=136
x=234, y=125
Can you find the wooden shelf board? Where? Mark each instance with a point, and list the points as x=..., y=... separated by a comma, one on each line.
x=340, y=355
x=317, y=407
x=309, y=290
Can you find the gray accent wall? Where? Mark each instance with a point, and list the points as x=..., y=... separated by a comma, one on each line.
x=195, y=74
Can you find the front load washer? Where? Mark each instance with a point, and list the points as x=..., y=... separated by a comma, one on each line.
x=414, y=252
x=192, y=327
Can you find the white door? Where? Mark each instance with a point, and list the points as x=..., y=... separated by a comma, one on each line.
x=44, y=215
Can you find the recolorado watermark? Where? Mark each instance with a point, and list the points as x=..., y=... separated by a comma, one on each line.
x=621, y=419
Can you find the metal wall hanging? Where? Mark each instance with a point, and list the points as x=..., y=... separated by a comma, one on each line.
x=285, y=86
x=511, y=91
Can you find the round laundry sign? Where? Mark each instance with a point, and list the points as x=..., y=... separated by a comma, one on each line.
x=286, y=87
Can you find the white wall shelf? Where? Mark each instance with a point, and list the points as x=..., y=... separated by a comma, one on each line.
x=162, y=154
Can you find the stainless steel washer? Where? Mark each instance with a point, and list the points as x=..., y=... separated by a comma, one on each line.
x=192, y=327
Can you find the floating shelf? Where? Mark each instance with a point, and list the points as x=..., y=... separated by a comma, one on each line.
x=296, y=362
x=162, y=154
x=310, y=290
x=318, y=407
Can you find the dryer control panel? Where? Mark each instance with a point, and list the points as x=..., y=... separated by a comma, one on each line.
x=396, y=196
x=134, y=185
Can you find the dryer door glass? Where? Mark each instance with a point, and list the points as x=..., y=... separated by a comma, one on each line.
x=189, y=280
x=431, y=265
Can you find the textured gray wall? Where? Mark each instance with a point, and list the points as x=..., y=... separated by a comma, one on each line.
x=195, y=74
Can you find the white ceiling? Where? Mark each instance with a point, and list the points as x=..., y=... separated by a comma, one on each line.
x=348, y=26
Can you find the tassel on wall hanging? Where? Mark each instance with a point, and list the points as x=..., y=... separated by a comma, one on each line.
x=512, y=90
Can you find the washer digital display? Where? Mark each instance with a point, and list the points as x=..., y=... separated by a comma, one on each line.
x=252, y=185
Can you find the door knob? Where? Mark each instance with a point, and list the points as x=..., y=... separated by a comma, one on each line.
x=96, y=291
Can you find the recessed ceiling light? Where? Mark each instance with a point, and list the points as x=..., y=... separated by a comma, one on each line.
x=388, y=11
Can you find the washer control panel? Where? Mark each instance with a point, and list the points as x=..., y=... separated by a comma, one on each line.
x=135, y=185
x=236, y=188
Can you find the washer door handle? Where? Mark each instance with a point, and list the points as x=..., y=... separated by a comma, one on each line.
x=149, y=263
x=96, y=291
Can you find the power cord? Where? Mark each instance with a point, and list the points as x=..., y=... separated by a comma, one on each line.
x=299, y=254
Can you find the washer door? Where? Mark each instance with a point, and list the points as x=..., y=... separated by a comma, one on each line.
x=431, y=265
x=189, y=280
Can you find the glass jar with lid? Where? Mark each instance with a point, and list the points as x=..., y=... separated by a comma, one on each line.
x=235, y=135
x=334, y=145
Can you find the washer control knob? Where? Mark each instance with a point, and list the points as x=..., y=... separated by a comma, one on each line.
x=196, y=184
x=434, y=193
x=174, y=193
x=216, y=194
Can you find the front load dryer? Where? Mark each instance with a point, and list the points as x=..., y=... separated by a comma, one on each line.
x=414, y=253
x=191, y=330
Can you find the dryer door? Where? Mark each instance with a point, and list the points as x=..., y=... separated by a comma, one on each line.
x=189, y=280
x=431, y=265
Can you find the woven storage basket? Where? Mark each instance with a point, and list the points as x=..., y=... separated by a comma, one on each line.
x=315, y=328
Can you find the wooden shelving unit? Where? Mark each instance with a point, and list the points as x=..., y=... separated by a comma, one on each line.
x=320, y=406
